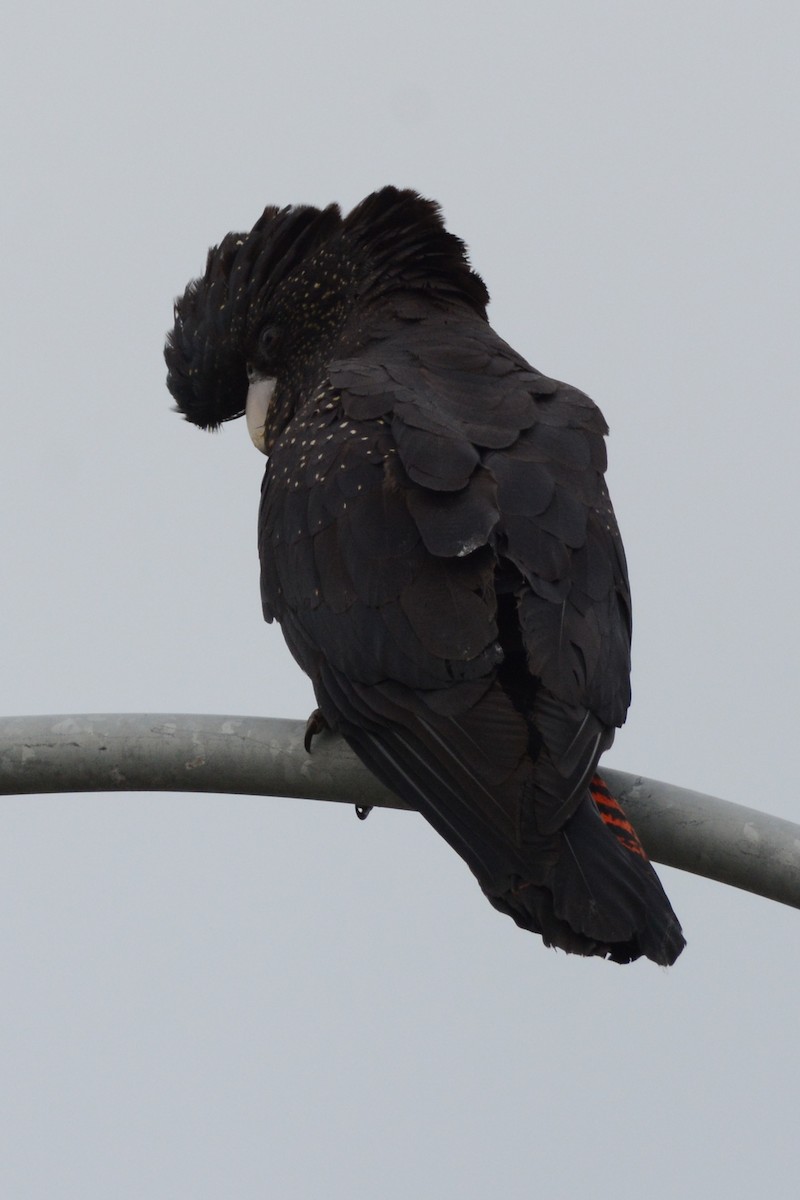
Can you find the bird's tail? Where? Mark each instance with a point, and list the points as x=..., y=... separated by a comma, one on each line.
x=602, y=896
x=586, y=886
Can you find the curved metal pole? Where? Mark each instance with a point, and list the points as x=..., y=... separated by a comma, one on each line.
x=259, y=756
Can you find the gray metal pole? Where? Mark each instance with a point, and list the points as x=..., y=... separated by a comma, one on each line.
x=260, y=756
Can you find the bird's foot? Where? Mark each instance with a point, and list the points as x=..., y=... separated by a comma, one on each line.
x=315, y=724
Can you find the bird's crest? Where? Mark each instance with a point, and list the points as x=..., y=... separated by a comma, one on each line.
x=402, y=238
x=394, y=240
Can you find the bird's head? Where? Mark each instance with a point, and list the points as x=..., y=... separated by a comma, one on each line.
x=256, y=330
x=237, y=323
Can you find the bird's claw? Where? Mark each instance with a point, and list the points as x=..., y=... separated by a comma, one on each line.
x=315, y=724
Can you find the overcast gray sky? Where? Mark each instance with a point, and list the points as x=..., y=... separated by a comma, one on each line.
x=214, y=997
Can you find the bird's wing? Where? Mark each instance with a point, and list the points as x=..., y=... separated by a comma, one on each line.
x=503, y=456
x=386, y=512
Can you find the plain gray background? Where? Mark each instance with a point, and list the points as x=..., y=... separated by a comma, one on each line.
x=211, y=997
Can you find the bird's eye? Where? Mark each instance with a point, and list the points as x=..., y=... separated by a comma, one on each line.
x=267, y=340
x=252, y=373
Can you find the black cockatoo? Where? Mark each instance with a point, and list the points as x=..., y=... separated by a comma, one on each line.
x=438, y=545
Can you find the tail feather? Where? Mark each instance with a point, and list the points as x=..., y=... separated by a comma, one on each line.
x=613, y=815
x=600, y=894
x=603, y=896
x=587, y=887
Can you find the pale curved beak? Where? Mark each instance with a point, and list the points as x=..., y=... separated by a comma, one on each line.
x=259, y=395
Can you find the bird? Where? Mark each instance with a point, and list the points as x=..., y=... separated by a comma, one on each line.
x=437, y=543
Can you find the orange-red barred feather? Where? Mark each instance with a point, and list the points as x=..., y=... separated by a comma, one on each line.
x=613, y=815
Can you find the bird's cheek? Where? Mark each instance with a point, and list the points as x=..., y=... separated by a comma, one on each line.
x=259, y=395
